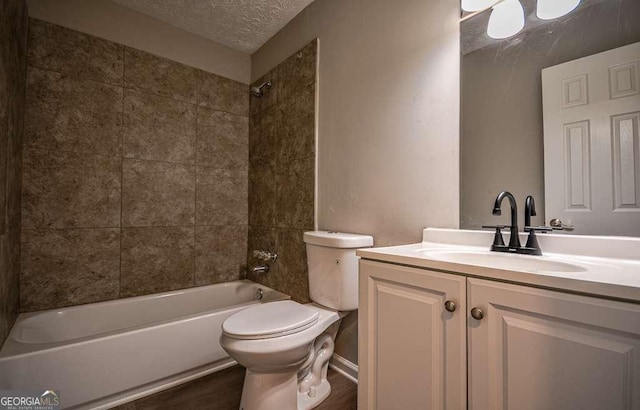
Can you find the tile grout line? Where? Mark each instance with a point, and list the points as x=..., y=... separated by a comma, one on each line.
x=122, y=173
x=195, y=183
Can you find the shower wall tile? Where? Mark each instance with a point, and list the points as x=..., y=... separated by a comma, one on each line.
x=149, y=73
x=262, y=196
x=13, y=35
x=223, y=139
x=221, y=197
x=292, y=272
x=64, y=267
x=158, y=128
x=115, y=138
x=282, y=172
x=75, y=54
x=70, y=190
x=295, y=193
x=73, y=115
x=221, y=253
x=157, y=193
x=223, y=94
x=297, y=71
x=156, y=259
x=265, y=130
x=297, y=139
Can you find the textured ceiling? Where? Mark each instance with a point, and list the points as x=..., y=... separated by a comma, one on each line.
x=244, y=25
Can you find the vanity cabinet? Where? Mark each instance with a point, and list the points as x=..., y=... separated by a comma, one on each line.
x=527, y=348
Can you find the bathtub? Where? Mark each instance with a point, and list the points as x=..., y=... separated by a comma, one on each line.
x=104, y=354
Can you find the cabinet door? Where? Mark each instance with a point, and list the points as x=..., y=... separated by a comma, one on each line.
x=539, y=349
x=412, y=351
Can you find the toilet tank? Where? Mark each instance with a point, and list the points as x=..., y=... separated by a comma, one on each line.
x=333, y=267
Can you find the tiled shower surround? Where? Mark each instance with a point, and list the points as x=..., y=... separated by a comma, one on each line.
x=135, y=173
x=13, y=37
x=138, y=178
x=282, y=171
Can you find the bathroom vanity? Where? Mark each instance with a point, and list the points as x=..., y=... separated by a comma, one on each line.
x=448, y=324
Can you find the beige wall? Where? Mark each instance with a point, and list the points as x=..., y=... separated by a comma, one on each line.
x=122, y=25
x=388, y=117
x=388, y=112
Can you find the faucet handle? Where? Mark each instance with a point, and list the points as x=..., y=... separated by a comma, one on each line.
x=538, y=229
x=498, y=242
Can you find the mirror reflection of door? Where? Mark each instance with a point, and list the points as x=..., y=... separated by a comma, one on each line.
x=591, y=109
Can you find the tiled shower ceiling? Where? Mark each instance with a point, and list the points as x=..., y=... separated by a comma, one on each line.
x=244, y=25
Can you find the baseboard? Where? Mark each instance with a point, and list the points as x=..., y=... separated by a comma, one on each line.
x=344, y=367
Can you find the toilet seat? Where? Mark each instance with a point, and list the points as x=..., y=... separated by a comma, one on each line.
x=270, y=320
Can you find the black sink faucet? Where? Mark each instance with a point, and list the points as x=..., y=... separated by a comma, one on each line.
x=514, y=241
x=529, y=210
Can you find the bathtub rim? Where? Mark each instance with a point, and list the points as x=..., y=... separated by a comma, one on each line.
x=11, y=344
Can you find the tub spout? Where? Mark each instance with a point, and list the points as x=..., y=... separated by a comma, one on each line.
x=260, y=269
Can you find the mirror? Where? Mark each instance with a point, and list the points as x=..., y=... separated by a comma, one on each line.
x=504, y=122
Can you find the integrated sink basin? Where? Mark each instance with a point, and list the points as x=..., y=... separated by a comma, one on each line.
x=502, y=260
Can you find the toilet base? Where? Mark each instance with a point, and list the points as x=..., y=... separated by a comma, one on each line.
x=269, y=391
x=314, y=397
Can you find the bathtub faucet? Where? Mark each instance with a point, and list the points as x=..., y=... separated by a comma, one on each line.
x=267, y=256
x=260, y=269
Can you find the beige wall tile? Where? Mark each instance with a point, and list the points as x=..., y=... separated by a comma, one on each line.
x=265, y=130
x=299, y=71
x=157, y=75
x=70, y=114
x=156, y=260
x=292, y=274
x=221, y=253
x=13, y=26
x=70, y=190
x=157, y=193
x=74, y=54
x=158, y=128
x=223, y=94
x=221, y=197
x=295, y=194
x=297, y=139
x=223, y=139
x=262, y=195
x=63, y=267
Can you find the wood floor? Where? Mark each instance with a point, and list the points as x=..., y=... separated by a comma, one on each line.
x=222, y=391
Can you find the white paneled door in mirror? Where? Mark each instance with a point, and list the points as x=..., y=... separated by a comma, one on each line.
x=591, y=109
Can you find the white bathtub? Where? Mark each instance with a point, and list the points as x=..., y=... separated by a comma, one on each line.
x=104, y=354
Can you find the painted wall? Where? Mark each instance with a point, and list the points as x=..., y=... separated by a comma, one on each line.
x=502, y=136
x=282, y=166
x=135, y=172
x=388, y=116
x=13, y=38
x=122, y=25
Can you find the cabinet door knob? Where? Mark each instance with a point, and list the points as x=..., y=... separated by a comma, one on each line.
x=450, y=306
x=477, y=313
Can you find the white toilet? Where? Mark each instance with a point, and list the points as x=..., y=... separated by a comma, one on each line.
x=286, y=346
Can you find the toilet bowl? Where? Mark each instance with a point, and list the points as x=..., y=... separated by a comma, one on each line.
x=286, y=346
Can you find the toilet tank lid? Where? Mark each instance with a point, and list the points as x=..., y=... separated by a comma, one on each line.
x=338, y=239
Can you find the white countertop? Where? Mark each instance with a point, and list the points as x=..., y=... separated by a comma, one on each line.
x=605, y=266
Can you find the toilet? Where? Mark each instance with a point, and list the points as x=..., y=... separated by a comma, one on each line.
x=286, y=346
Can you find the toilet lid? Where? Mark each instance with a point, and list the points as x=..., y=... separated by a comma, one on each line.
x=269, y=320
